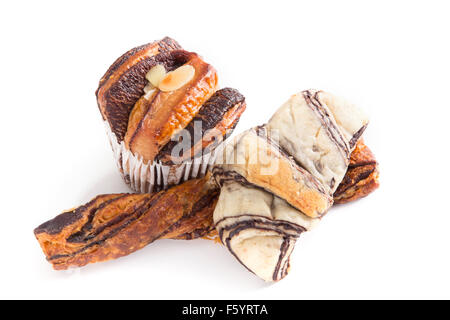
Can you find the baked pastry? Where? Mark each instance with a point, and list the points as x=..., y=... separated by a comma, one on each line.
x=254, y=158
x=319, y=130
x=151, y=99
x=361, y=177
x=258, y=228
x=278, y=180
x=115, y=225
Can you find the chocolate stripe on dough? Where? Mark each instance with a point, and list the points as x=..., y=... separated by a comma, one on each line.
x=283, y=249
x=170, y=61
x=361, y=177
x=136, y=214
x=361, y=164
x=212, y=115
x=166, y=44
x=120, y=97
x=356, y=137
x=55, y=225
x=128, y=223
x=148, y=132
x=288, y=180
x=208, y=200
x=80, y=236
x=322, y=114
x=221, y=176
x=130, y=87
x=309, y=179
x=257, y=219
x=261, y=131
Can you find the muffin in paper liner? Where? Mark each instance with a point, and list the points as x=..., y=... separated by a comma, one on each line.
x=154, y=176
x=151, y=95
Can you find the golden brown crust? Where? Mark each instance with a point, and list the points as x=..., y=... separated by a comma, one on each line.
x=158, y=119
x=216, y=119
x=256, y=159
x=361, y=178
x=112, y=226
x=123, y=83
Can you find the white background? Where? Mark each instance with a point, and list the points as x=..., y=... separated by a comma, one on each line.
x=390, y=57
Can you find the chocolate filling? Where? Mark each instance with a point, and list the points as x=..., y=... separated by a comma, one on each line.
x=134, y=215
x=356, y=136
x=351, y=181
x=332, y=130
x=166, y=44
x=65, y=219
x=241, y=226
x=211, y=114
x=86, y=235
x=283, y=250
x=129, y=88
x=310, y=180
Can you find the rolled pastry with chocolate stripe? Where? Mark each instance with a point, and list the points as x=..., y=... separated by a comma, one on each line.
x=153, y=99
x=258, y=228
x=256, y=158
x=319, y=130
x=278, y=180
x=115, y=225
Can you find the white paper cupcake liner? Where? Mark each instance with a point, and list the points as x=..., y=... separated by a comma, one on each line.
x=151, y=177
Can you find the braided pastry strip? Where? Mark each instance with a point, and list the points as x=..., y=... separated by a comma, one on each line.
x=115, y=225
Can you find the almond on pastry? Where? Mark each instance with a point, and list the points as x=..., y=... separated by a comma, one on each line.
x=115, y=225
x=155, y=120
x=153, y=96
x=123, y=83
x=216, y=119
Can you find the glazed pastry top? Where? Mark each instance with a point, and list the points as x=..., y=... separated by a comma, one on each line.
x=216, y=119
x=153, y=92
x=162, y=114
x=123, y=84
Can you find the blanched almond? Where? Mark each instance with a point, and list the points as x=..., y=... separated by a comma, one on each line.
x=148, y=87
x=150, y=93
x=177, y=78
x=156, y=74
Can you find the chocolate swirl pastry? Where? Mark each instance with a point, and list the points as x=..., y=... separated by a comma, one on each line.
x=153, y=99
x=258, y=228
x=123, y=84
x=115, y=225
x=361, y=178
x=278, y=180
x=319, y=130
x=259, y=161
x=216, y=119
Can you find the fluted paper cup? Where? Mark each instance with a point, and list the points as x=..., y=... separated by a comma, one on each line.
x=154, y=176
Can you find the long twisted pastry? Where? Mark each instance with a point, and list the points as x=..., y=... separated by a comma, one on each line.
x=115, y=225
